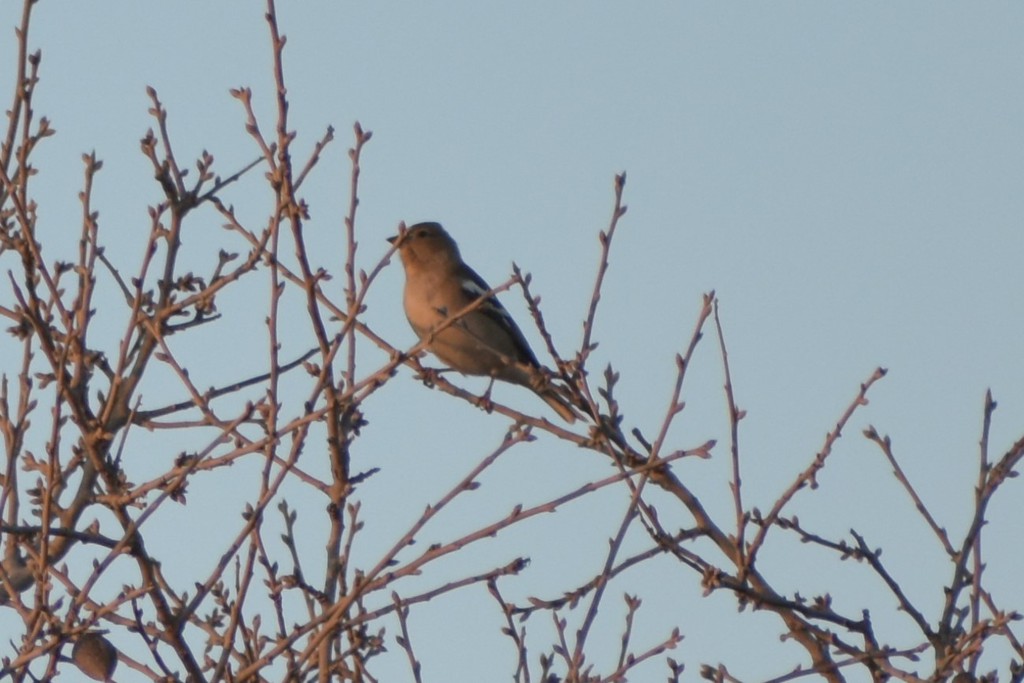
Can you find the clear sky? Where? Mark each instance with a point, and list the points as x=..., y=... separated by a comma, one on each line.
x=846, y=176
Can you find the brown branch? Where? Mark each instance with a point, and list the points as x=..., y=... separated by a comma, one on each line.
x=885, y=444
x=735, y=415
x=403, y=640
x=807, y=477
x=518, y=636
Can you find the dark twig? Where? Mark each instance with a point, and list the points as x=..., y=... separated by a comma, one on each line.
x=807, y=477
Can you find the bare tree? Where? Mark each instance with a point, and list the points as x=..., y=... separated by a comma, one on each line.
x=82, y=570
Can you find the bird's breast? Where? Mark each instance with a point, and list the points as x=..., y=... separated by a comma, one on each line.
x=423, y=304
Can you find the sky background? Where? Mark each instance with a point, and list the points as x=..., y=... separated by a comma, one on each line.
x=847, y=177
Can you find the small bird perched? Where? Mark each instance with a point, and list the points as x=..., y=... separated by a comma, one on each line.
x=95, y=656
x=485, y=341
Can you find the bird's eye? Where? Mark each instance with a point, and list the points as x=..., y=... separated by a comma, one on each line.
x=421, y=233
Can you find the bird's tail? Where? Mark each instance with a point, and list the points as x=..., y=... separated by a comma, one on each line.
x=559, y=404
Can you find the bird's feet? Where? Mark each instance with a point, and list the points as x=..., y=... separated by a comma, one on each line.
x=485, y=401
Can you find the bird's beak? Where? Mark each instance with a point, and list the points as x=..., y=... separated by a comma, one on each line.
x=401, y=233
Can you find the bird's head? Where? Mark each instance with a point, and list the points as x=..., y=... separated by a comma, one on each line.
x=425, y=243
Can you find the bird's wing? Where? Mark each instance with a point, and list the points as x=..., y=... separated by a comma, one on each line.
x=475, y=287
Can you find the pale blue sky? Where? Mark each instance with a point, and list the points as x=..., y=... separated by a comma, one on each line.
x=847, y=177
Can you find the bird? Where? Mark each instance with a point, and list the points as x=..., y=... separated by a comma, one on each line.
x=486, y=341
x=95, y=656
